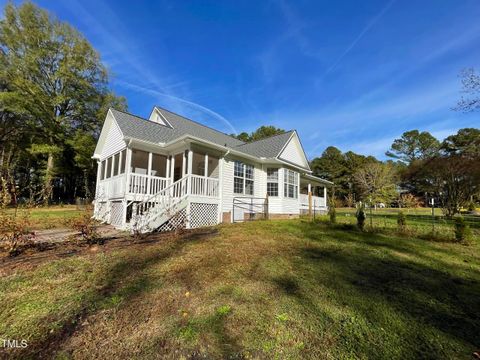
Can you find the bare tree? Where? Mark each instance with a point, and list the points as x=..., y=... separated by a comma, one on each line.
x=376, y=182
x=470, y=101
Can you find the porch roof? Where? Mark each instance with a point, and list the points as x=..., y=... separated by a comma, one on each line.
x=316, y=179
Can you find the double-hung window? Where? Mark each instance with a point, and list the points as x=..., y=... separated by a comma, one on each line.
x=243, y=178
x=290, y=188
x=272, y=182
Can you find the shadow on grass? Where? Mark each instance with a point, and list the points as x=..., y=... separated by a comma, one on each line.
x=423, y=295
x=125, y=280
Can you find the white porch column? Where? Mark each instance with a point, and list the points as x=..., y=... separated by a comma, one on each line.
x=172, y=171
x=184, y=164
x=220, y=189
x=113, y=165
x=310, y=200
x=99, y=170
x=167, y=170
x=189, y=170
x=206, y=166
x=128, y=165
x=190, y=162
x=325, y=195
x=149, y=172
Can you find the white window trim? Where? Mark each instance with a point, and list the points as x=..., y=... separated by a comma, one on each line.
x=272, y=181
x=244, y=178
x=286, y=184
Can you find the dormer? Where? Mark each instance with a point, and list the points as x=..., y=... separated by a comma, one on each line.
x=157, y=117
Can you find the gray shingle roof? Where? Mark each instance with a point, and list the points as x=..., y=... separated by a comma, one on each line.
x=142, y=129
x=268, y=148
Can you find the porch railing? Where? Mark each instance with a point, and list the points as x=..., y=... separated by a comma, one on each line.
x=144, y=185
x=317, y=201
x=204, y=186
x=138, y=184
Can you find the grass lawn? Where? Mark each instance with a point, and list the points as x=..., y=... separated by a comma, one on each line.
x=50, y=217
x=266, y=289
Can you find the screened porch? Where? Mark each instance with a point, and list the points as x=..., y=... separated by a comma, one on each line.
x=133, y=172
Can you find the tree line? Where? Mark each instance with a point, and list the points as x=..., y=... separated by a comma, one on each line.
x=54, y=97
x=421, y=168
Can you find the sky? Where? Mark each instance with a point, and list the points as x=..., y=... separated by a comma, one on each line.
x=348, y=73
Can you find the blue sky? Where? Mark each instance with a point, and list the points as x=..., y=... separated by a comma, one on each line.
x=353, y=74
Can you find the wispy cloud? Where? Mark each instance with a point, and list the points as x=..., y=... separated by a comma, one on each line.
x=122, y=49
x=367, y=28
x=157, y=94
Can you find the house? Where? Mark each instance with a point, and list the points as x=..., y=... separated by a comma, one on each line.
x=169, y=171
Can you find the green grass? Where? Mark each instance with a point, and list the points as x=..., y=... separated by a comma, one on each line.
x=49, y=217
x=266, y=289
x=419, y=221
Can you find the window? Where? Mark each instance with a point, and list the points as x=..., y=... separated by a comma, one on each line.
x=272, y=182
x=243, y=178
x=290, y=180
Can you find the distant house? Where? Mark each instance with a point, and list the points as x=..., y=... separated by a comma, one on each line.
x=169, y=171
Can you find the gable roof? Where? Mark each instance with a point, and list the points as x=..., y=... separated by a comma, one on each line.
x=267, y=148
x=138, y=128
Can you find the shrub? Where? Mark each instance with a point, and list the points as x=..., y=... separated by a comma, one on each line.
x=361, y=216
x=472, y=206
x=462, y=230
x=14, y=232
x=86, y=226
x=401, y=221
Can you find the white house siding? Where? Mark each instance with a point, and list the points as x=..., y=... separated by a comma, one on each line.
x=113, y=142
x=281, y=204
x=259, y=182
x=276, y=205
x=293, y=153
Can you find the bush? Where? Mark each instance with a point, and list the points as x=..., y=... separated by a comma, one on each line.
x=401, y=221
x=361, y=216
x=86, y=226
x=14, y=232
x=462, y=230
x=472, y=206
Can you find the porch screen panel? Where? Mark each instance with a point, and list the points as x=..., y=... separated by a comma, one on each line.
x=159, y=165
x=213, y=170
x=123, y=161
x=102, y=170
x=116, y=164
x=198, y=164
x=139, y=162
x=109, y=168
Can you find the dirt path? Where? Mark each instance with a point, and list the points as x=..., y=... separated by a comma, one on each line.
x=62, y=235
